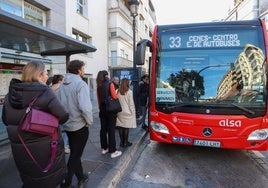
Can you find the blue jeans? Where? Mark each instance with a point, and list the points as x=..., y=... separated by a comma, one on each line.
x=143, y=113
x=64, y=136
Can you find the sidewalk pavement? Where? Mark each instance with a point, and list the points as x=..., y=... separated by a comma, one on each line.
x=103, y=171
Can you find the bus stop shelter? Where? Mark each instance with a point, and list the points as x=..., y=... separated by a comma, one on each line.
x=21, y=35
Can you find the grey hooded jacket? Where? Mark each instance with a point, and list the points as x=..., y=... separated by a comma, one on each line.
x=74, y=95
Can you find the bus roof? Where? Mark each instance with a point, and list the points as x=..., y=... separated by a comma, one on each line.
x=164, y=28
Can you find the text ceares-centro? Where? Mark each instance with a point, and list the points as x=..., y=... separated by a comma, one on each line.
x=218, y=37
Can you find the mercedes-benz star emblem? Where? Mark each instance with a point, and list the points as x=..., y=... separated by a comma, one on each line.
x=207, y=131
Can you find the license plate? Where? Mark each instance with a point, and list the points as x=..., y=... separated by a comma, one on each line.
x=207, y=143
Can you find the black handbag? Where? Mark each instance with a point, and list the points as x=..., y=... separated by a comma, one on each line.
x=112, y=105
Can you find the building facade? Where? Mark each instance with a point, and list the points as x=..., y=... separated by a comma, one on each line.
x=112, y=35
x=72, y=18
x=120, y=32
x=248, y=10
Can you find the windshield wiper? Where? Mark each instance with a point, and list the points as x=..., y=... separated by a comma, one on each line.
x=171, y=107
x=174, y=106
x=244, y=109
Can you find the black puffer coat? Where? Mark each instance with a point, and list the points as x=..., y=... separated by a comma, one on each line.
x=16, y=102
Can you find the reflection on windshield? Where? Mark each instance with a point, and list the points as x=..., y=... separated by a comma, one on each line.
x=213, y=76
x=245, y=82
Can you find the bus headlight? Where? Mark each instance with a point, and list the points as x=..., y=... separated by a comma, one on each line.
x=261, y=134
x=159, y=127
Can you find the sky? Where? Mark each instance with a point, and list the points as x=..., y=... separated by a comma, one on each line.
x=190, y=11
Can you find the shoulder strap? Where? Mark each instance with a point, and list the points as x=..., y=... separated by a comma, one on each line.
x=27, y=111
x=53, y=142
x=31, y=105
x=53, y=151
x=106, y=87
x=33, y=101
x=109, y=88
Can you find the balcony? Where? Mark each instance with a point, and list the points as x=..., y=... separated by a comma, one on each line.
x=119, y=62
x=119, y=33
x=119, y=6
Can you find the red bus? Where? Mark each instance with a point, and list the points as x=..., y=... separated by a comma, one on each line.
x=208, y=84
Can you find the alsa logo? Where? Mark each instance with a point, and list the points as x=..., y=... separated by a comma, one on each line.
x=230, y=123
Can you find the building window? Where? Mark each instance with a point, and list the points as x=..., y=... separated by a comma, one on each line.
x=113, y=34
x=146, y=29
x=81, y=36
x=113, y=58
x=80, y=6
x=122, y=53
x=12, y=6
x=24, y=10
x=34, y=14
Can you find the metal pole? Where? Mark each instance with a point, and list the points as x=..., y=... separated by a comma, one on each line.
x=67, y=61
x=135, y=76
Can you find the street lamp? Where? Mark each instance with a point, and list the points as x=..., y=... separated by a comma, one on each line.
x=134, y=5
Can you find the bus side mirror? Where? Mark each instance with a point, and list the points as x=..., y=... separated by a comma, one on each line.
x=141, y=51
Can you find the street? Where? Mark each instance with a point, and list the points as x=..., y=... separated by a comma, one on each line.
x=164, y=165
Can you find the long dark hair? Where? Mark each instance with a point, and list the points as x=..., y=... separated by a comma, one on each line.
x=100, y=77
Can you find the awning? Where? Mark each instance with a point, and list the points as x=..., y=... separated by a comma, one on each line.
x=22, y=35
x=24, y=58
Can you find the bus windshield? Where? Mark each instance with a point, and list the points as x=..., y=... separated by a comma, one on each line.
x=218, y=68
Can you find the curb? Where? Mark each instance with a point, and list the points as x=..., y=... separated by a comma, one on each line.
x=114, y=176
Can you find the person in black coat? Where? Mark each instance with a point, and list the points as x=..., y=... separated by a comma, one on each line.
x=107, y=119
x=143, y=94
x=21, y=93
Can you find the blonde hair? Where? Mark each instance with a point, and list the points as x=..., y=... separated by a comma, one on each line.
x=32, y=71
x=124, y=86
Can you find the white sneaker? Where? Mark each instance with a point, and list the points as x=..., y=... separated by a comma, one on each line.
x=104, y=151
x=116, y=154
